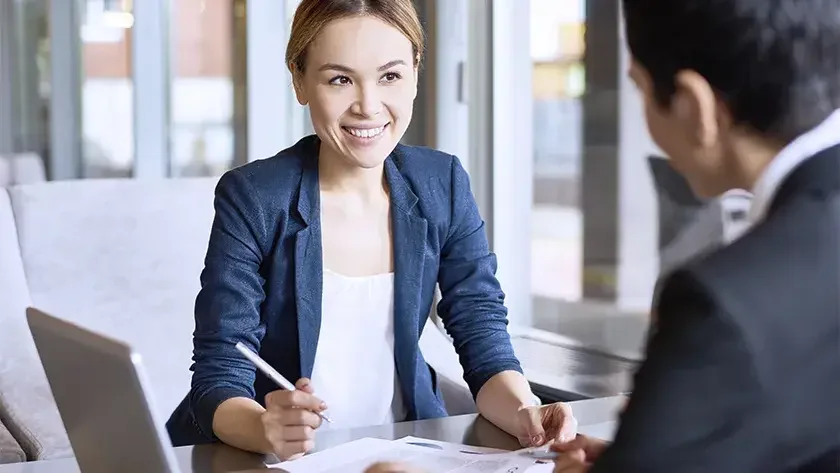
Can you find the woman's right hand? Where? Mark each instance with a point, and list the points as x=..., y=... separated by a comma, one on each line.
x=290, y=420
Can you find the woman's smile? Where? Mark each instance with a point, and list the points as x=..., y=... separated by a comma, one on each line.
x=364, y=136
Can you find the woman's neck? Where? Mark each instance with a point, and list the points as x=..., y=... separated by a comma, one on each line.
x=340, y=177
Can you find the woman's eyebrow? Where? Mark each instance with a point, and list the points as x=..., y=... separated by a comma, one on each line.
x=349, y=70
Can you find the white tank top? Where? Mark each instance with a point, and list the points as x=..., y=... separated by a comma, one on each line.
x=354, y=371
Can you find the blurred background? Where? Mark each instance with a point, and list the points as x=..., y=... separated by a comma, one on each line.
x=530, y=94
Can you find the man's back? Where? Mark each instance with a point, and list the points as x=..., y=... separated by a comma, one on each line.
x=743, y=369
x=778, y=285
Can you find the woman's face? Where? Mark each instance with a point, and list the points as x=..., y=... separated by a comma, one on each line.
x=360, y=83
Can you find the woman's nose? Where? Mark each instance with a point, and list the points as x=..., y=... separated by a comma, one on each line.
x=368, y=103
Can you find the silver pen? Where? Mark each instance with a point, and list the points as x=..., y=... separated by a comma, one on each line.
x=540, y=455
x=272, y=373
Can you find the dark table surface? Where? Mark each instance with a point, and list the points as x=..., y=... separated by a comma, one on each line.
x=467, y=429
x=562, y=369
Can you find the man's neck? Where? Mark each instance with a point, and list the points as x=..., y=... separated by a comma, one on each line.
x=751, y=157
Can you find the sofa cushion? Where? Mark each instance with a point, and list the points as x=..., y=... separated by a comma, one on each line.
x=22, y=408
x=122, y=257
x=10, y=451
x=24, y=168
x=14, y=297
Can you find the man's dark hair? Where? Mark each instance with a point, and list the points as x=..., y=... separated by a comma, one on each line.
x=775, y=63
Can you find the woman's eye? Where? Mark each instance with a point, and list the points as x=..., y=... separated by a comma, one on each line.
x=391, y=77
x=340, y=80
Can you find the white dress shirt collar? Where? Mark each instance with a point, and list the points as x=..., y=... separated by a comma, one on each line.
x=823, y=136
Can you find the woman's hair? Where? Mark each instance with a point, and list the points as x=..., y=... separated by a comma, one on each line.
x=312, y=16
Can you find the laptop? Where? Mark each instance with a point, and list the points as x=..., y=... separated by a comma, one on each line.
x=104, y=399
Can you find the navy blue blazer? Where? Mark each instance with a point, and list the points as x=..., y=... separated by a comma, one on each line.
x=262, y=281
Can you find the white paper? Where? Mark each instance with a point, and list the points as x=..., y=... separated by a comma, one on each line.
x=356, y=456
x=448, y=447
x=604, y=431
x=541, y=468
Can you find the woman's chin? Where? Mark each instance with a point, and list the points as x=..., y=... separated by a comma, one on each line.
x=369, y=157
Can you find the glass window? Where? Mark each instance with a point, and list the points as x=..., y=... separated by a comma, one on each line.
x=594, y=220
x=25, y=77
x=557, y=49
x=107, y=89
x=202, y=93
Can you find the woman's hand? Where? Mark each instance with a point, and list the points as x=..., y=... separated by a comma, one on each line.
x=290, y=420
x=543, y=424
x=577, y=456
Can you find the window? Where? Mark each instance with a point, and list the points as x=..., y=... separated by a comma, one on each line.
x=24, y=77
x=202, y=88
x=557, y=30
x=107, y=120
x=594, y=222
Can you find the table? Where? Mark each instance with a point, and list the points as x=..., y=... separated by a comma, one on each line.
x=562, y=369
x=467, y=429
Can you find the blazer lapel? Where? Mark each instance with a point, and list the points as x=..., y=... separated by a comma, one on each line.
x=409, y=242
x=308, y=265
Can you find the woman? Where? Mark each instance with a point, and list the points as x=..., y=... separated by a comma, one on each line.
x=324, y=259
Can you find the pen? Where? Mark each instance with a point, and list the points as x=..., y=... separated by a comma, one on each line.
x=269, y=371
x=541, y=455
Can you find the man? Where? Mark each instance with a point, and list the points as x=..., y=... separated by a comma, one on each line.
x=742, y=373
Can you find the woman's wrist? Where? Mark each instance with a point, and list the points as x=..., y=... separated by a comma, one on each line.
x=237, y=422
x=502, y=398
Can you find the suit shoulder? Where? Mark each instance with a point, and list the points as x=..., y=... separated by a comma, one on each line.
x=784, y=262
x=276, y=172
x=793, y=241
x=267, y=186
x=422, y=162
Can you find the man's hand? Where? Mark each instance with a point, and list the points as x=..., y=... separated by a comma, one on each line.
x=542, y=424
x=577, y=456
x=392, y=468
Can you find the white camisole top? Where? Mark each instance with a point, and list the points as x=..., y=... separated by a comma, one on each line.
x=354, y=371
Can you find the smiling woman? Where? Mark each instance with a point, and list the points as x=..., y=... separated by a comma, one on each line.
x=325, y=258
x=355, y=64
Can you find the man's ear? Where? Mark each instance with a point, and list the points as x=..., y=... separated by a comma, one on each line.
x=297, y=83
x=696, y=103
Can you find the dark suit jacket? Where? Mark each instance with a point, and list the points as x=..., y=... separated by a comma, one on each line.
x=742, y=373
x=261, y=283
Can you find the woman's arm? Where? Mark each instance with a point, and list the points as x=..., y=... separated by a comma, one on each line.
x=238, y=423
x=502, y=398
x=473, y=312
x=227, y=311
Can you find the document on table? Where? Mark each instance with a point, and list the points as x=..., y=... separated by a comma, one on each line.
x=355, y=457
x=604, y=431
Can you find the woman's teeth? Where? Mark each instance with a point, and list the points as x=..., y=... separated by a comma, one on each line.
x=365, y=132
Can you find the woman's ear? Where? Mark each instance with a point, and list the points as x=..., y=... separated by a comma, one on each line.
x=417, y=60
x=297, y=83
